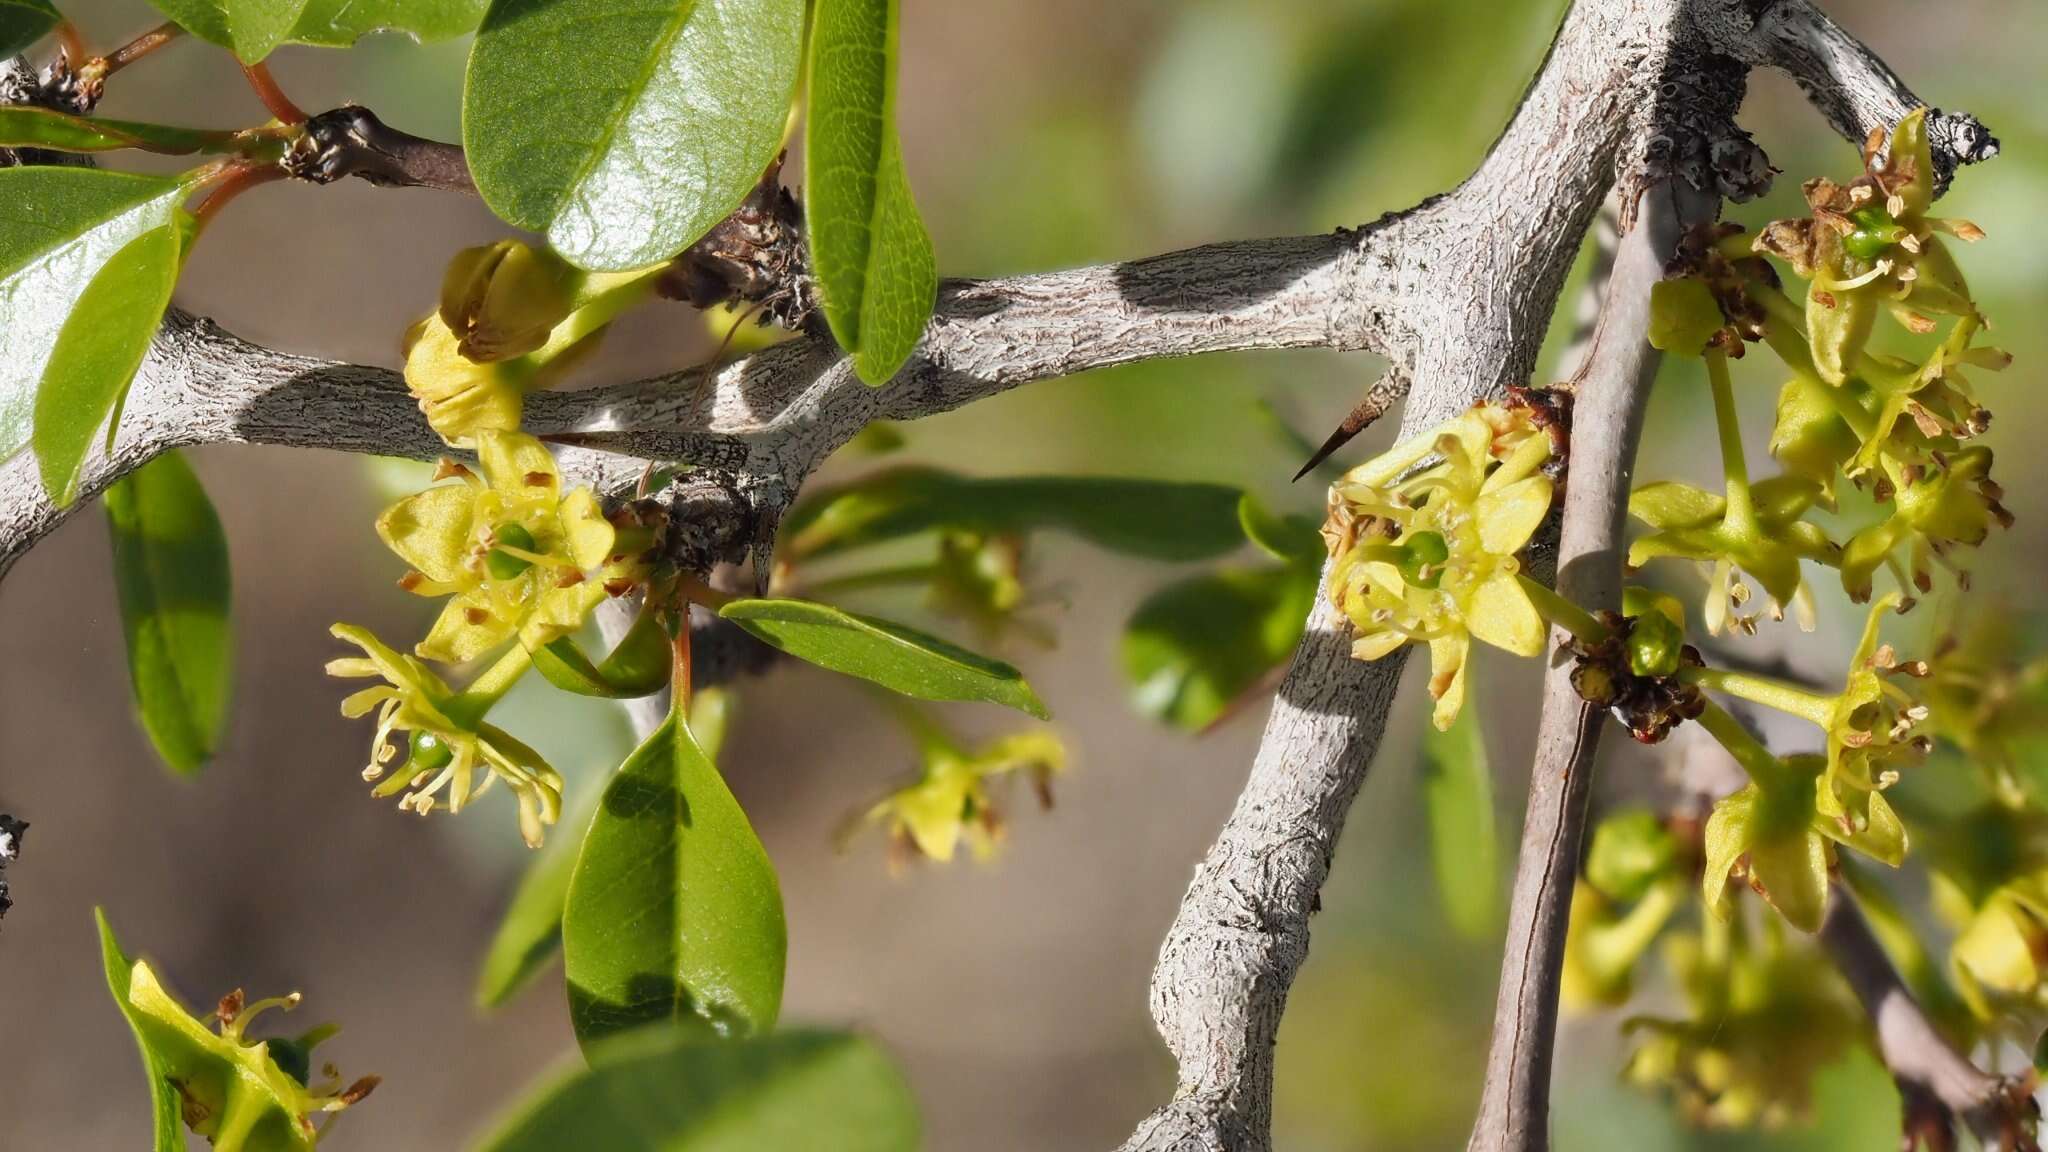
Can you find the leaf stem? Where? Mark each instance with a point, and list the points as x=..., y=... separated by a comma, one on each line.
x=1764, y=690
x=1741, y=512
x=135, y=49
x=231, y=179
x=71, y=42
x=679, y=679
x=1583, y=625
x=1756, y=760
x=266, y=88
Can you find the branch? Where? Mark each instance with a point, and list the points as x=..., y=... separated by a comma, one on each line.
x=1939, y=1085
x=352, y=141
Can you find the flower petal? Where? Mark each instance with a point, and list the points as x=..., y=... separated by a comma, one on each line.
x=1447, y=677
x=1501, y=614
x=1509, y=516
x=431, y=531
x=466, y=629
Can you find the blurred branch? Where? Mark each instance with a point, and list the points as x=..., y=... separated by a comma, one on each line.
x=1613, y=390
x=1940, y=1087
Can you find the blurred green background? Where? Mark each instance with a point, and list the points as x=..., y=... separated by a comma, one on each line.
x=1039, y=134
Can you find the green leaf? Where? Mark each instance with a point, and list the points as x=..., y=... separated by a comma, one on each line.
x=625, y=131
x=171, y=569
x=674, y=912
x=1458, y=790
x=638, y=666
x=59, y=227
x=163, y=1099
x=250, y=29
x=340, y=23
x=1194, y=647
x=661, y=1090
x=23, y=22
x=901, y=659
x=1288, y=538
x=531, y=932
x=1155, y=519
x=22, y=127
x=872, y=255
x=98, y=352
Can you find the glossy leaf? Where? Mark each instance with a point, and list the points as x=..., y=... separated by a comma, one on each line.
x=625, y=131
x=171, y=570
x=531, y=933
x=674, y=912
x=58, y=229
x=62, y=132
x=664, y=1090
x=99, y=349
x=340, y=23
x=163, y=1099
x=1458, y=791
x=1194, y=647
x=23, y=22
x=872, y=254
x=251, y=29
x=1151, y=518
x=636, y=667
x=900, y=659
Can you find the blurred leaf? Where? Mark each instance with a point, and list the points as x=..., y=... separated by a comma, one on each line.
x=250, y=29
x=1631, y=851
x=531, y=932
x=340, y=23
x=58, y=228
x=1194, y=647
x=163, y=1099
x=664, y=1090
x=98, y=350
x=624, y=132
x=900, y=659
x=1289, y=538
x=638, y=666
x=1156, y=519
x=674, y=912
x=1458, y=789
x=873, y=258
x=171, y=570
x=23, y=22
x=63, y=132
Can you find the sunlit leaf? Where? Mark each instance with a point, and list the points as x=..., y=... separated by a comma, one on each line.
x=340, y=23
x=98, y=351
x=163, y=1099
x=636, y=667
x=1458, y=791
x=250, y=29
x=25, y=127
x=674, y=912
x=898, y=658
x=1194, y=648
x=625, y=131
x=1156, y=519
x=872, y=254
x=59, y=227
x=171, y=569
x=666, y=1090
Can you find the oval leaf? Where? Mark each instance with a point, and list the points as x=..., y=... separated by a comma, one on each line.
x=22, y=127
x=163, y=1099
x=674, y=913
x=901, y=659
x=1156, y=519
x=98, y=351
x=667, y=1091
x=625, y=131
x=872, y=255
x=251, y=29
x=171, y=570
x=531, y=932
x=637, y=667
x=1194, y=648
x=23, y=22
x=340, y=23
x=58, y=229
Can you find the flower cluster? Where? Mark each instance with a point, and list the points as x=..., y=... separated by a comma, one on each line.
x=951, y=802
x=1425, y=542
x=518, y=559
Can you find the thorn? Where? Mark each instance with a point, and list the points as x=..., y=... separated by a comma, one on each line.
x=1378, y=399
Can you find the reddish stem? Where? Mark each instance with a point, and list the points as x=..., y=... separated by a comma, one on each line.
x=280, y=105
x=138, y=48
x=71, y=42
x=235, y=178
x=680, y=678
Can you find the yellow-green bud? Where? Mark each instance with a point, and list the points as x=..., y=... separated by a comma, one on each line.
x=502, y=300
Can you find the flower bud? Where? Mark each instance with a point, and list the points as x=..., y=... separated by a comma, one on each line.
x=502, y=300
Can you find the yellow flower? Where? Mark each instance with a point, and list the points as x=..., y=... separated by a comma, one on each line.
x=1871, y=728
x=1429, y=558
x=449, y=741
x=950, y=801
x=1774, y=831
x=517, y=555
